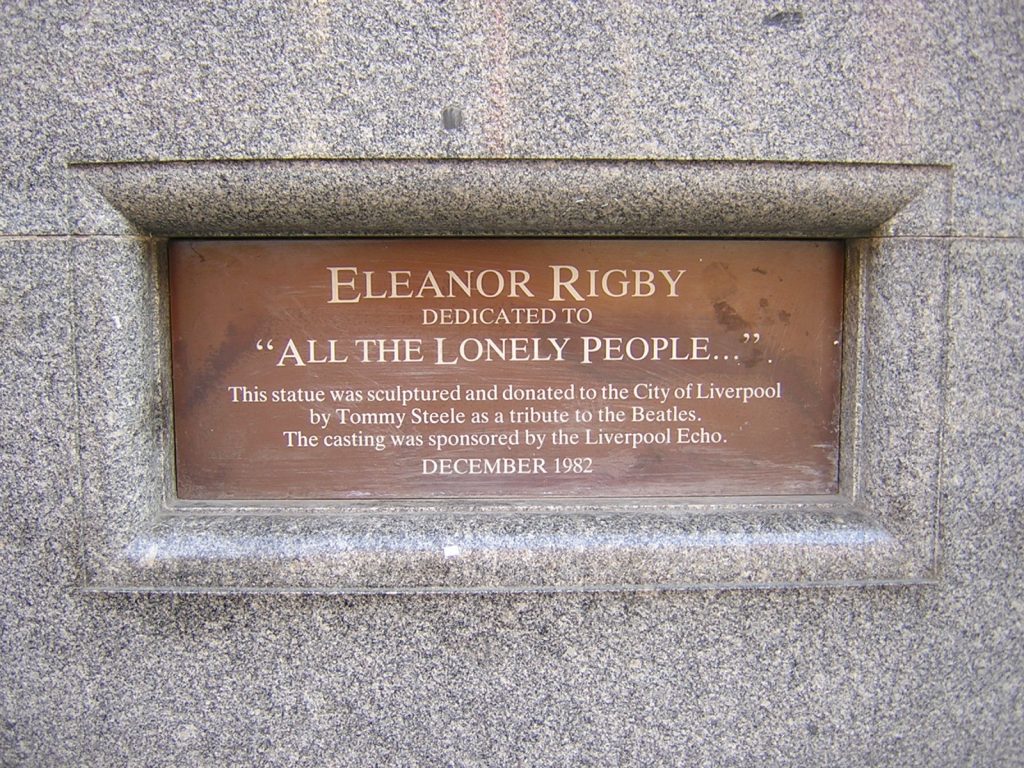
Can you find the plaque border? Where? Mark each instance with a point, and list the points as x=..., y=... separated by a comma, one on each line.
x=882, y=528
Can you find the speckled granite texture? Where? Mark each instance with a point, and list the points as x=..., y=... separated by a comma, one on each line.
x=881, y=528
x=922, y=675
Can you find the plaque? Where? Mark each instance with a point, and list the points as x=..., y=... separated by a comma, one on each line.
x=509, y=368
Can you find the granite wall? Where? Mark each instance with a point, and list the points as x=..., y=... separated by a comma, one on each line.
x=910, y=675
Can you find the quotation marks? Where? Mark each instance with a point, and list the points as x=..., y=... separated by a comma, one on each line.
x=268, y=345
x=747, y=338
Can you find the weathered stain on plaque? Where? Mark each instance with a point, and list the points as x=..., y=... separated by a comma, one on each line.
x=343, y=369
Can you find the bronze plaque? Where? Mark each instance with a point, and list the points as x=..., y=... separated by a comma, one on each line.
x=344, y=369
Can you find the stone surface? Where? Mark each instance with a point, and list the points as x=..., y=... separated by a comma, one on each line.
x=36, y=120
x=39, y=556
x=743, y=80
x=882, y=528
x=121, y=390
x=516, y=197
x=988, y=122
x=909, y=676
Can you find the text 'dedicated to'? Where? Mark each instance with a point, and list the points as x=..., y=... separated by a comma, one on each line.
x=482, y=368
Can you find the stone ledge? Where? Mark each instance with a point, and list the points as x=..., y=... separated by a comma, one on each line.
x=525, y=548
x=238, y=198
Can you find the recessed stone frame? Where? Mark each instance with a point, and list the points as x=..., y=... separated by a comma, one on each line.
x=881, y=528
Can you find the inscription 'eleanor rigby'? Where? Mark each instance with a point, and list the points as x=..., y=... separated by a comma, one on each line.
x=342, y=369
